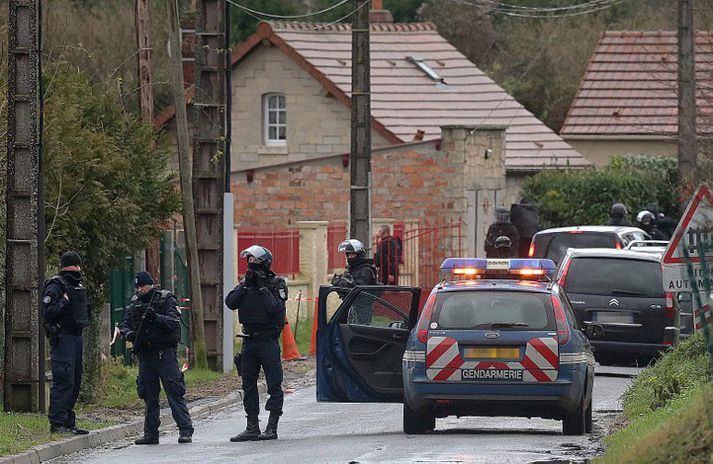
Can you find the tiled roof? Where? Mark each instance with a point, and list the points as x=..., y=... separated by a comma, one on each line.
x=405, y=100
x=630, y=86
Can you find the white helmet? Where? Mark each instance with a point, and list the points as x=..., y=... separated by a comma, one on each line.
x=352, y=245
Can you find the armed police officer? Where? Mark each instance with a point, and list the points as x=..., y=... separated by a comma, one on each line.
x=65, y=314
x=260, y=300
x=360, y=269
x=152, y=323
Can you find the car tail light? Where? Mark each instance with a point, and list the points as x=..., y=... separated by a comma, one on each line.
x=422, y=328
x=669, y=305
x=531, y=251
x=563, y=277
x=561, y=318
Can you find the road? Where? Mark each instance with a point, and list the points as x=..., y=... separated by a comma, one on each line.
x=312, y=432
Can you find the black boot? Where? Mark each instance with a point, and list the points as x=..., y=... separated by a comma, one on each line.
x=251, y=432
x=146, y=440
x=270, y=432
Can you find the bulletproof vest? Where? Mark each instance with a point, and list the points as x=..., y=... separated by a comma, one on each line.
x=253, y=308
x=75, y=314
x=150, y=333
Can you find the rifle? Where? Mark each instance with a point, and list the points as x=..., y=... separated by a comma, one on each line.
x=140, y=330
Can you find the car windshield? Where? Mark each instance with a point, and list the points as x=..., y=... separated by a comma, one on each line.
x=493, y=310
x=560, y=243
x=615, y=276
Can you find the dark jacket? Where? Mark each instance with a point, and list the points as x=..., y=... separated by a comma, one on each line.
x=497, y=230
x=274, y=299
x=164, y=331
x=387, y=258
x=359, y=272
x=55, y=307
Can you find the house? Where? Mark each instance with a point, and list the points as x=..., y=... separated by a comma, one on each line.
x=448, y=143
x=627, y=101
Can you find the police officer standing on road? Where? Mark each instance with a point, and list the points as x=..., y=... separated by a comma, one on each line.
x=360, y=269
x=260, y=300
x=65, y=312
x=153, y=324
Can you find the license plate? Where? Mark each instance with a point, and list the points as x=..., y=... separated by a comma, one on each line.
x=613, y=317
x=502, y=353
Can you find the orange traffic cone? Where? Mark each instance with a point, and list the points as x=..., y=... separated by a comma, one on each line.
x=315, y=323
x=289, y=346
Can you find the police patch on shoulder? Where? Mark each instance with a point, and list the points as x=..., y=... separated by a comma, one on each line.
x=47, y=299
x=134, y=298
x=283, y=293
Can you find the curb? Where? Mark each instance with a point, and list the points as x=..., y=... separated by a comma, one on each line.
x=47, y=451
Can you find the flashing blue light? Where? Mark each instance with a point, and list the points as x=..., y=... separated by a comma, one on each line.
x=477, y=266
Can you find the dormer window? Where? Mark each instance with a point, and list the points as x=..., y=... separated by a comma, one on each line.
x=275, y=118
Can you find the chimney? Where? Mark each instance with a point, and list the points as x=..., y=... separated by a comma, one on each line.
x=377, y=13
x=188, y=42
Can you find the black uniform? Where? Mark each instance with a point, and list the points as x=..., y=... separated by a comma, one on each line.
x=64, y=319
x=360, y=271
x=260, y=301
x=155, y=337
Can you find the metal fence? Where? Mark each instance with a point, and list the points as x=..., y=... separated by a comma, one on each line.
x=284, y=245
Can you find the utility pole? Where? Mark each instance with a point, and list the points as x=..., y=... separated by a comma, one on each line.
x=687, y=149
x=145, y=71
x=209, y=167
x=24, y=389
x=184, y=166
x=360, y=158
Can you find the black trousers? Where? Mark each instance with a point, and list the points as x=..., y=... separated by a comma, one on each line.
x=162, y=365
x=263, y=353
x=66, y=357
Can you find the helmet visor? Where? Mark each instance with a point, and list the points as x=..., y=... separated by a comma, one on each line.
x=351, y=246
x=256, y=252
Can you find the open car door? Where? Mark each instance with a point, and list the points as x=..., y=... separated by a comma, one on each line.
x=360, y=348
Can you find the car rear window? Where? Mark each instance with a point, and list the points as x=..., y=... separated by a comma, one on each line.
x=561, y=242
x=615, y=276
x=481, y=309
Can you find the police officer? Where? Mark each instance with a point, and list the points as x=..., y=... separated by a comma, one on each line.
x=360, y=269
x=502, y=227
x=152, y=323
x=646, y=221
x=503, y=247
x=65, y=313
x=617, y=215
x=260, y=300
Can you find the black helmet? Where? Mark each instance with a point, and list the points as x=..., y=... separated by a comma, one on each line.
x=618, y=210
x=261, y=254
x=503, y=242
x=352, y=245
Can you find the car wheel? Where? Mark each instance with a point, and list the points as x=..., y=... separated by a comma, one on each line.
x=417, y=423
x=575, y=423
x=588, y=418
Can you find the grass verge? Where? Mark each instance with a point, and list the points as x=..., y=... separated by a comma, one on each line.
x=19, y=432
x=670, y=411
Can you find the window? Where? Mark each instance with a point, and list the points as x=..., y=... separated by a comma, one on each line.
x=615, y=276
x=275, y=119
x=379, y=308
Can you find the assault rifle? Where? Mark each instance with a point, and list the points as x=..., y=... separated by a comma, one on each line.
x=140, y=331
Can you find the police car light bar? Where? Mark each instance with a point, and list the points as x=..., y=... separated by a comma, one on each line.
x=478, y=266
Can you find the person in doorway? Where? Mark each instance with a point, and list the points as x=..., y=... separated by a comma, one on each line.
x=152, y=323
x=388, y=256
x=65, y=314
x=501, y=227
x=260, y=301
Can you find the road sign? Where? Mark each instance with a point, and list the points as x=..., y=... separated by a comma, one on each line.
x=695, y=227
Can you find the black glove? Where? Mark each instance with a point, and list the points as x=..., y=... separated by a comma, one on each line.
x=150, y=314
x=130, y=337
x=251, y=278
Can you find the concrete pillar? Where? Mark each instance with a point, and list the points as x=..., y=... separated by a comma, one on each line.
x=480, y=153
x=313, y=254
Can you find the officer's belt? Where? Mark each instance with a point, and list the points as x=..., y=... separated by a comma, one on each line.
x=66, y=331
x=262, y=334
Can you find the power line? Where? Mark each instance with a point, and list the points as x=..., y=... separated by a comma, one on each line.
x=263, y=14
x=542, y=13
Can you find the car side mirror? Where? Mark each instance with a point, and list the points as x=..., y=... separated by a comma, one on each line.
x=684, y=297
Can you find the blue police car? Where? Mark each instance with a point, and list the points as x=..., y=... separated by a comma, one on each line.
x=494, y=338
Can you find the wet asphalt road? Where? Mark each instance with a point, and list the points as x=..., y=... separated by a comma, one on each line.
x=312, y=432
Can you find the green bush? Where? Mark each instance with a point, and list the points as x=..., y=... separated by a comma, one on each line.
x=677, y=373
x=582, y=197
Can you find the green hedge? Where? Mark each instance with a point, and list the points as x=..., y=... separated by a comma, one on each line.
x=582, y=197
